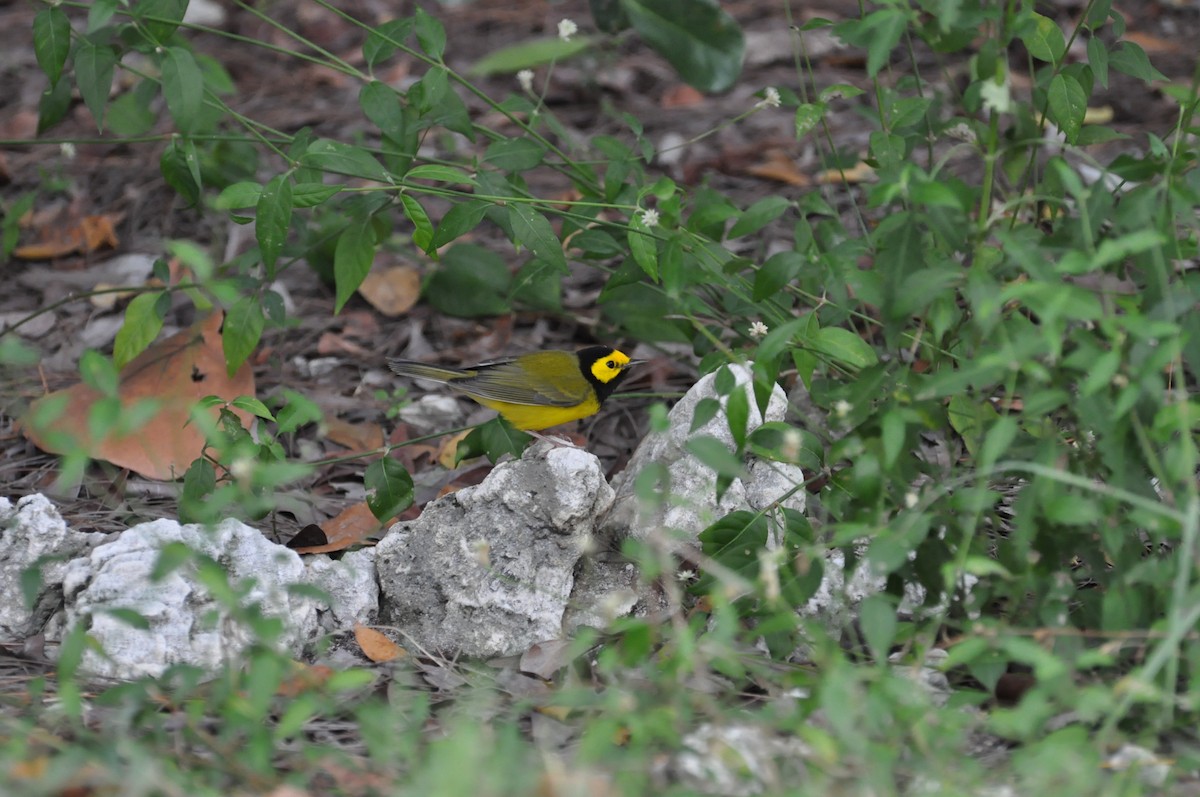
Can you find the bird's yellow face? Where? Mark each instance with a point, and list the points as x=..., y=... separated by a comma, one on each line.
x=608, y=367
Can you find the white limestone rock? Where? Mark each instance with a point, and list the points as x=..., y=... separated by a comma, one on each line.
x=186, y=624
x=33, y=536
x=488, y=570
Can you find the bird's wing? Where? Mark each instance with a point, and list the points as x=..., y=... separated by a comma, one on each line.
x=513, y=382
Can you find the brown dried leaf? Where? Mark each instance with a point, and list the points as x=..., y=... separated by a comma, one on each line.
x=304, y=678
x=858, y=173
x=353, y=525
x=91, y=233
x=392, y=291
x=358, y=437
x=544, y=659
x=780, y=167
x=682, y=96
x=377, y=647
x=175, y=374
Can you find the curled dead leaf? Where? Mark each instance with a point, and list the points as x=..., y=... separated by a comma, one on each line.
x=376, y=646
x=392, y=291
x=171, y=376
x=88, y=235
x=354, y=525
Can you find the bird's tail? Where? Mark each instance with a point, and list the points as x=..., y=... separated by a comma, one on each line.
x=423, y=371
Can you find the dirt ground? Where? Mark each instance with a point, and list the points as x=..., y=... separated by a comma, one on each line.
x=753, y=158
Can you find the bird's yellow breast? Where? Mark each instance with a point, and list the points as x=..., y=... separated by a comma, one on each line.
x=532, y=417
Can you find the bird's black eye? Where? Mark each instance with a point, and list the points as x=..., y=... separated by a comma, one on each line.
x=611, y=363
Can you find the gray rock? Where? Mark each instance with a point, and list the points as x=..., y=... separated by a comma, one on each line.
x=488, y=570
x=738, y=760
x=186, y=624
x=351, y=585
x=34, y=536
x=690, y=504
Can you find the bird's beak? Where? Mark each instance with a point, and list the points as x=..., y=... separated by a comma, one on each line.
x=632, y=363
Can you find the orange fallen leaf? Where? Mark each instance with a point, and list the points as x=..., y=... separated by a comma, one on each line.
x=91, y=233
x=392, y=291
x=174, y=374
x=780, y=167
x=358, y=437
x=377, y=647
x=682, y=96
x=858, y=173
x=333, y=343
x=305, y=678
x=1153, y=45
x=353, y=525
x=448, y=452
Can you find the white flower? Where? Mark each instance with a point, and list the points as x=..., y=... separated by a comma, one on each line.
x=650, y=217
x=770, y=98
x=685, y=575
x=842, y=408
x=67, y=149
x=911, y=499
x=525, y=78
x=566, y=29
x=759, y=330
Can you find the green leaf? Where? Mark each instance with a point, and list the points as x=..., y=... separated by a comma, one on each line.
x=253, y=406
x=808, y=116
x=307, y=195
x=430, y=34
x=241, y=331
x=382, y=42
x=877, y=618
x=1067, y=105
x=382, y=105
x=608, y=15
x=94, y=64
x=471, y=281
x=422, y=227
x=528, y=54
x=178, y=172
x=238, y=195
x=299, y=410
x=735, y=541
x=143, y=321
x=532, y=230
x=183, y=87
x=51, y=41
x=492, y=439
x=199, y=482
x=440, y=174
x=759, y=215
x=780, y=269
x=458, y=221
x=713, y=453
x=515, y=154
x=879, y=32
x=273, y=218
x=339, y=158
x=778, y=441
x=1044, y=40
x=99, y=14
x=159, y=18
x=1098, y=59
x=644, y=247
x=389, y=488
x=843, y=346
x=352, y=259
x=1130, y=59
x=53, y=105
x=698, y=38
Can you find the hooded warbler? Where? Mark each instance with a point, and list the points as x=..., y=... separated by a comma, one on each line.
x=537, y=390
